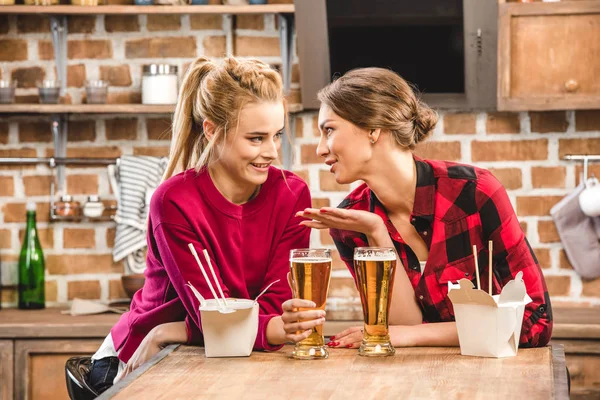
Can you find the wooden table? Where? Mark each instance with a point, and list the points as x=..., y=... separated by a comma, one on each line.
x=182, y=372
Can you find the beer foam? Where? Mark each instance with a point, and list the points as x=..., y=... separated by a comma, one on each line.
x=311, y=260
x=366, y=257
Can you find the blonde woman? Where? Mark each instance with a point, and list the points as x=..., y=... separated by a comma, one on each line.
x=229, y=200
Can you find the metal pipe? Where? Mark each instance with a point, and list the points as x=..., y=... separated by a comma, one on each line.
x=53, y=161
x=582, y=157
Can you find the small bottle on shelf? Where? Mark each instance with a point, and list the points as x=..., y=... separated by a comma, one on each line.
x=66, y=207
x=31, y=267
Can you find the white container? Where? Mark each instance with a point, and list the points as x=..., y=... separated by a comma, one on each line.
x=229, y=334
x=159, y=84
x=93, y=208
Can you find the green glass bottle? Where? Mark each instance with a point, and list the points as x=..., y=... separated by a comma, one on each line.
x=31, y=266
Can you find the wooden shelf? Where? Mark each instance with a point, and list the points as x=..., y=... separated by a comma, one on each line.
x=85, y=109
x=98, y=109
x=134, y=10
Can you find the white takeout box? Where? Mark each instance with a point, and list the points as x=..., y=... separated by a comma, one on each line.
x=489, y=326
x=232, y=333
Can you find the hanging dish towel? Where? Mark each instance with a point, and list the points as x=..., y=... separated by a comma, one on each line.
x=138, y=177
x=579, y=234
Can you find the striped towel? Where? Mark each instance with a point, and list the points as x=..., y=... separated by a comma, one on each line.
x=138, y=178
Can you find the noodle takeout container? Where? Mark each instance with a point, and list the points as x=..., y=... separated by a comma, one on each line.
x=228, y=331
x=489, y=326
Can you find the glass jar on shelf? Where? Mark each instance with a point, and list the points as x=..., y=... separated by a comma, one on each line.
x=93, y=208
x=66, y=207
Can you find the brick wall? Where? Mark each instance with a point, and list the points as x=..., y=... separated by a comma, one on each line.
x=523, y=149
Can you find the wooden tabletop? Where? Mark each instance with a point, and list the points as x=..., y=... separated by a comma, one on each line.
x=185, y=373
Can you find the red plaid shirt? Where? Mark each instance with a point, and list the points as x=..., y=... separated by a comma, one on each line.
x=457, y=206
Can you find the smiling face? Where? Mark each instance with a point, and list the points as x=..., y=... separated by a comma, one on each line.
x=251, y=146
x=345, y=147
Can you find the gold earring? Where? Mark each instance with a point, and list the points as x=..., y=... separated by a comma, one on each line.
x=372, y=141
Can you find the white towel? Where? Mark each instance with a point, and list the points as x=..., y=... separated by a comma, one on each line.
x=138, y=178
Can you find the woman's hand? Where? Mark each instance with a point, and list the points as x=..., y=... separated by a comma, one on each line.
x=349, y=220
x=351, y=338
x=149, y=347
x=298, y=322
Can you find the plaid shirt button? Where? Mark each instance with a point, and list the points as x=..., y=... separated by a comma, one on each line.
x=425, y=233
x=421, y=297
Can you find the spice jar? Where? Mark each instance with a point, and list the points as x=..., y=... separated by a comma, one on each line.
x=159, y=84
x=66, y=207
x=93, y=208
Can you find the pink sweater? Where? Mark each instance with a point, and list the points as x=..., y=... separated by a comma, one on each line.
x=248, y=245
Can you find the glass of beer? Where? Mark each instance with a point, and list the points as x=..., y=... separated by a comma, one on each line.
x=310, y=270
x=375, y=268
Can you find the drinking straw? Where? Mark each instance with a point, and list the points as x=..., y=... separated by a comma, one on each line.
x=476, y=266
x=490, y=249
x=212, y=271
x=210, y=286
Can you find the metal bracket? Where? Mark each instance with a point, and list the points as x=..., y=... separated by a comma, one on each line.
x=59, y=134
x=58, y=26
x=286, y=36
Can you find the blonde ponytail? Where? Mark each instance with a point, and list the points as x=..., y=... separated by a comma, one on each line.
x=215, y=92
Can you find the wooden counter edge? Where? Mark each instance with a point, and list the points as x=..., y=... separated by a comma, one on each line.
x=559, y=372
x=122, y=384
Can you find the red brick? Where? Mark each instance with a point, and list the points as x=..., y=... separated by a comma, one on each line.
x=124, y=98
x=110, y=237
x=457, y=123
x=296, y=74
x=161, y=47
x=255, y=22
x=83, y=290
x=320, y=203
x=536, y=205
x=118, y=75
x=4, y=24
x=121, y=129
x=27, y=99
x=82, y=131
x=158, y=129
x=327, y=183
x=50, y=291
x=578, y=146
x=547, y=232
x=449, y=151
x=253, y=46
x=82, y=184
x=161, y=151
x=81, y=23
x=308, y=154
x=79, y=238
x=294, y=97
x=33, y=24
x=15, y=212
x=40, y=131
x=548, y=121
x=523, y=226
x=94, y=152
x=214, y=46
x=169, y=22
x=13, y=49
x=548, y=177
x=325, y=237
x=46, y=236
x=503, y=122
x=5, y=239
x=76, y=75
x=69, y=264
x=121, y=23
x=563, y=261
x=304, y=175
x=558, y=285
x=4, y=132
x=45, y=50
x=509, y=150
x=299, y=128
x=7, y=186
x=115, y=290
x=24, y=152
x=591, y=288
x=342, y=287
x=37, y=185
x=28, y=77
x=200, y=21
x=587, y=120
x=543, y=257
x=336, y=262
x=94, y=49
x=511, y=178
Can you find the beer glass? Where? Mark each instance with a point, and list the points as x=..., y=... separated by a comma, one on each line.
x=375, y=269
x=310, y=270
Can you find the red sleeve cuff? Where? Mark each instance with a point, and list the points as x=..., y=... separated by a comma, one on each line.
x=194, y=334
x=261, y=342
